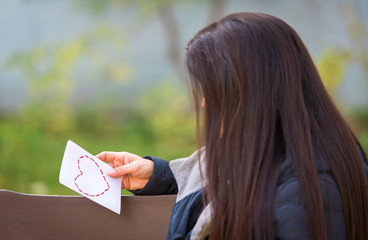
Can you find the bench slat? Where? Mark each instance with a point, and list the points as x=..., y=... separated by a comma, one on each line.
x=24, y=216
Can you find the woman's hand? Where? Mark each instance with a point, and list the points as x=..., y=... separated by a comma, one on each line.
x=136, y=171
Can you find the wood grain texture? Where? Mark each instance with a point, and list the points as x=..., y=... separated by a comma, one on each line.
x=24, y=216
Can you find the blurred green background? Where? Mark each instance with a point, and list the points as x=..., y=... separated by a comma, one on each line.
x=108, y=74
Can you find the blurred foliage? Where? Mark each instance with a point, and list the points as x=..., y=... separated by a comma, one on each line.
x=336, y=59
x=51, y=74
x=334, y=62
x=332, y=65
x=361, y=127
x=161, y=124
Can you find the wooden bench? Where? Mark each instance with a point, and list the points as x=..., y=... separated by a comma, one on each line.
x=24, y=216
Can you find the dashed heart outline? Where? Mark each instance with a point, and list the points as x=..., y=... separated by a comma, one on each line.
x=81, y=173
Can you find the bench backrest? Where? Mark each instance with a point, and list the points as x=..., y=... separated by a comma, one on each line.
x=24, y=216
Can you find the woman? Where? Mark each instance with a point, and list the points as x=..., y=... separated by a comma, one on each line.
x=280, y=161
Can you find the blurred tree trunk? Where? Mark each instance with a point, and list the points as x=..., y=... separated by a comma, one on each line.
x=217, y=10
x=171, y=28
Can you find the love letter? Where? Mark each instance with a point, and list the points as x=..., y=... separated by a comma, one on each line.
x=85, y=174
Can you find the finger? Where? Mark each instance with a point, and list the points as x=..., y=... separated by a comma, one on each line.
x=107, y=156
x=101, y=156
x=122, y=170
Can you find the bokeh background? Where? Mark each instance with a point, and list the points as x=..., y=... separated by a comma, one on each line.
x=109, y=75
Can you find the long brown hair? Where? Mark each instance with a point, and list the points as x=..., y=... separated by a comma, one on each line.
x=263, y=97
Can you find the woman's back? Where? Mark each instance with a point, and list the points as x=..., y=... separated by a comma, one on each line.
x=263, y=99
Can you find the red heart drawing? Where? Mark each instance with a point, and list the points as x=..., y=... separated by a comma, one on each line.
x=83, y=185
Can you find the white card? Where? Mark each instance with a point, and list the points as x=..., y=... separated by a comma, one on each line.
x=85, y=174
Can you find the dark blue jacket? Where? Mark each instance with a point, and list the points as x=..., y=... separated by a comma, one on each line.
x=290, y=214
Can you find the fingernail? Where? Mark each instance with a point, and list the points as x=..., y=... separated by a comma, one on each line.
x=111, y=172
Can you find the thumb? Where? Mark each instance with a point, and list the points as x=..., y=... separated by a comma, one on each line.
x=121, y=170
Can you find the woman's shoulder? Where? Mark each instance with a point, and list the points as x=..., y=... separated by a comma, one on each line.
x=290, y=212
x=288, y=184
x=291, y=220
x=288, y=188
